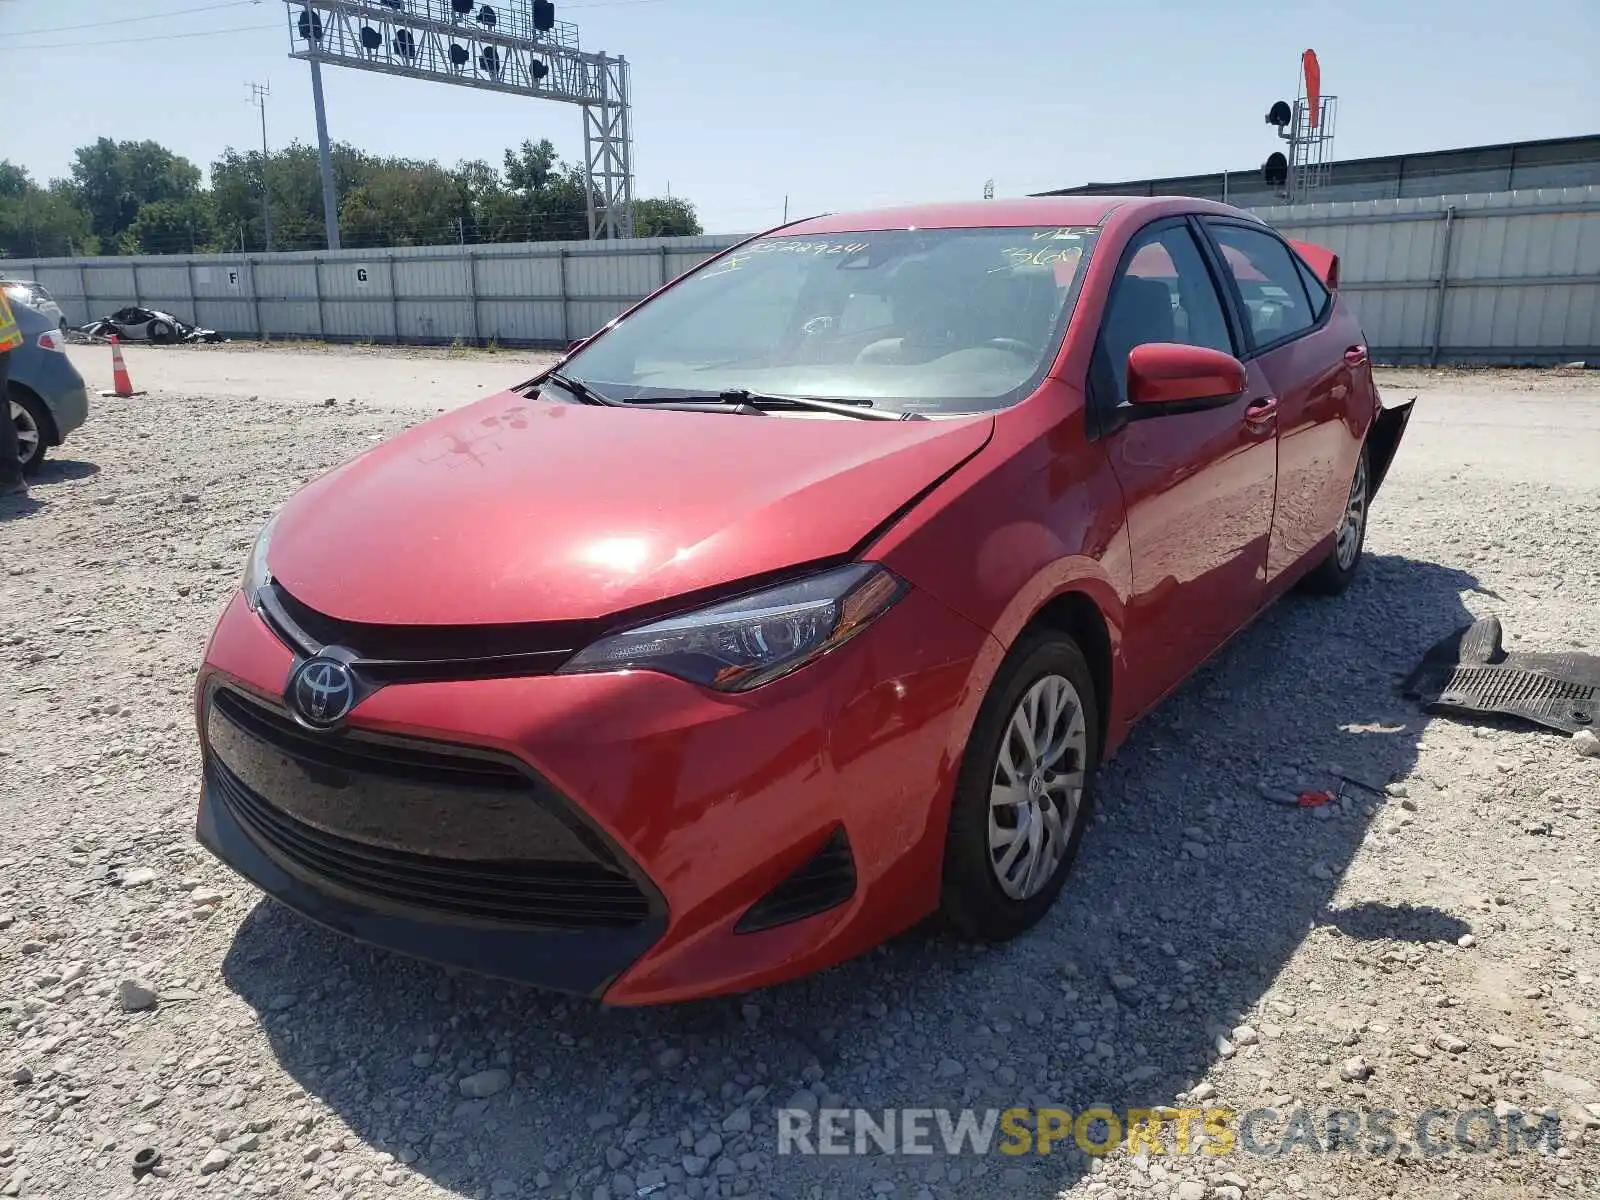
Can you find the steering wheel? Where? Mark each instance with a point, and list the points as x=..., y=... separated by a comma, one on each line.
x=1015, y=345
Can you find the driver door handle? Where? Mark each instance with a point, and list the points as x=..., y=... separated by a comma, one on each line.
x=1261, y=413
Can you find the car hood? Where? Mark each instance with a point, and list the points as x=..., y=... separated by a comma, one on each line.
x=517, y=510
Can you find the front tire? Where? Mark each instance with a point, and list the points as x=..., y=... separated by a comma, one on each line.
x=160, y=333
x=1334, y=573
x=30, y=423
x=1025, y=791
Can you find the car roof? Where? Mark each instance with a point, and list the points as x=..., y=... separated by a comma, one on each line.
x=1102, y=211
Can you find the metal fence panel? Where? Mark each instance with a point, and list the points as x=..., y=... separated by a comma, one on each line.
x=613, y=275
x=290, y=318
x=442, y=276
x=280, y=281
x=509, y=322
x=503, y=275
x=431, y=320
x=1495, y=276
x=160, y=283
x=223, y=314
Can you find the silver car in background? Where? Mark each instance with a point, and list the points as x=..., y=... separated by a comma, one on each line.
x=35, y=296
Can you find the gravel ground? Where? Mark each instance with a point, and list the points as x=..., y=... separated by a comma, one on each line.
x=1428, y=941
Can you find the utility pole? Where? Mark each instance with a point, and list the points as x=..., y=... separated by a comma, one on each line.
x=330, y=203
x=258, y=96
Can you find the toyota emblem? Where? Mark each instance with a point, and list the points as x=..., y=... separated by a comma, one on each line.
x=321, y=692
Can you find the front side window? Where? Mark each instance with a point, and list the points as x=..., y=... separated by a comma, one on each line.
x=1163, y=294
x=1269, y=282
x=941, y=320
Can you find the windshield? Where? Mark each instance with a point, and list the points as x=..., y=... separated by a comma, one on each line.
x=952, y=320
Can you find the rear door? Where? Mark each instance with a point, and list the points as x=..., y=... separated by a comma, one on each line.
x=1308, y=349
x=1198, y=486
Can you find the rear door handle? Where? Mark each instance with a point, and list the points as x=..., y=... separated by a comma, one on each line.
x=1356, y=356
x=1261, y=413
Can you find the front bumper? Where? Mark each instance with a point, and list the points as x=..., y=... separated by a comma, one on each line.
x=706, y=803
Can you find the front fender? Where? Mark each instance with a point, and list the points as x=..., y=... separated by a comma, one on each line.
x=1037, y=514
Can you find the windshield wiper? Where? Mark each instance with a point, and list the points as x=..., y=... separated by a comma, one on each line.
x=758, y=400
x=579, y=389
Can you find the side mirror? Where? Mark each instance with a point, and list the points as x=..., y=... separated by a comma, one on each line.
x=1166, y=373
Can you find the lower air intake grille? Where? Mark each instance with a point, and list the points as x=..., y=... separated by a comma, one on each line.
x=433, y=827
x=826, y=881
x=569, y=895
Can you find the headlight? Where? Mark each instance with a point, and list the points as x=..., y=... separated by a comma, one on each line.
x=741, y=644
x=256, y=575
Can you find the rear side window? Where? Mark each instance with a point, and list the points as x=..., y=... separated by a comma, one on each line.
x=1269, y=281
x=1314, y=289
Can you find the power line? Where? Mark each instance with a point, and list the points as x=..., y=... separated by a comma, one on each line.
x=157, y=37
x=171, y=12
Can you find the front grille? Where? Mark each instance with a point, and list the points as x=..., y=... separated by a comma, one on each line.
x=826, y=881
x=417, y=653
x=437, y=829
x=398, y=758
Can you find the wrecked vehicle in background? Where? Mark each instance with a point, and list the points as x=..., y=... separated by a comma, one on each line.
x=134, y=324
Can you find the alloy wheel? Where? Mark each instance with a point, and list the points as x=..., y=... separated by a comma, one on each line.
x=1037, y=788
x=1348, y=543
x=28, y=433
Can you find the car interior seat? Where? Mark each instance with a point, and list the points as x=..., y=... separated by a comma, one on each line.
x=1141, y=311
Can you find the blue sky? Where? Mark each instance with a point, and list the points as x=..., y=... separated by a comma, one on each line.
x=739, y=103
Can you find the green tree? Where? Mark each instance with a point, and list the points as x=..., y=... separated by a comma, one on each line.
x=531, y=165
x=116, y=179
x=489, y=211
x=295, y=175
x=174, y=226
x=665, y=217
x=38, y=222
x=401, y=203
x=140, y=198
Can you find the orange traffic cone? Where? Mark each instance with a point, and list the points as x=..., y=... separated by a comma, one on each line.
x=121, y=381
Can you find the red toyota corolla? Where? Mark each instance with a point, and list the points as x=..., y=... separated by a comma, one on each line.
x=798, y=604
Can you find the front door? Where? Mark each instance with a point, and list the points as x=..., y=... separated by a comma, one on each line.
x=1198, y=486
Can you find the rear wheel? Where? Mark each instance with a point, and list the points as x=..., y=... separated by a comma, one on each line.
x=1334, y=573
x=160, y=332
x=31, y=423
x=1025, y=791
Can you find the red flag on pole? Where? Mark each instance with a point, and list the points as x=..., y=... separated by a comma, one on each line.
x=1313, y=74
